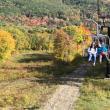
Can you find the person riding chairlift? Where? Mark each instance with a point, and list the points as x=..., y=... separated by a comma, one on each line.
x=103, y=52
x=92, y=51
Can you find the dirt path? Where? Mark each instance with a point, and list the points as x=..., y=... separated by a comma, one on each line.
x=67, y=92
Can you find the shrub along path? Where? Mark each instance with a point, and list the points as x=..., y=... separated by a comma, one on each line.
x=68, y=91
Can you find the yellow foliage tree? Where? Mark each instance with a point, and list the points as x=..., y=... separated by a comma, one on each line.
x=7, y=44
x=21, y=38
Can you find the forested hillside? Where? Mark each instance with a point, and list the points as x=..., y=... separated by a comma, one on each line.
x=34, y=8
x=54, y=8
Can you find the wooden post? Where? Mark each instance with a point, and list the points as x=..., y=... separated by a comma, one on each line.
x=108, y=63
x=107, y=70
x=109, y=32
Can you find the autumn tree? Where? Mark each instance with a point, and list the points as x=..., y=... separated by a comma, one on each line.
x=7, y=44
x=63, y=47
x=81, y=36
x=21, y=38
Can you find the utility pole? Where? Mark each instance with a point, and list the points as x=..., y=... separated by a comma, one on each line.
x=98, y=10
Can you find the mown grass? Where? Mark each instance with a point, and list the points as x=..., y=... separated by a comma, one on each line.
x=95, y=92
x=27, y=80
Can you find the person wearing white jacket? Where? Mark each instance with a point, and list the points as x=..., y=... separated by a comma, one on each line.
x=92, y=51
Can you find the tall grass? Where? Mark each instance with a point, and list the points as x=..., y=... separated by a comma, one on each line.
x=95, y=92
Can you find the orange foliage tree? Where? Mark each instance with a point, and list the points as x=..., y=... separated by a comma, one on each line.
x=63, y=46
x=86, y=34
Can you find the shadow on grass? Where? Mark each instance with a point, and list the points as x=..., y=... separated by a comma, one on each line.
x=62, y=72
x=57, y=72
x=27, y=58
x=60, y=67
x=32, y=108
x=98, y=71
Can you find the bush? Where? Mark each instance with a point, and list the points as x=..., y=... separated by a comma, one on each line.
x=64, y=47
x=42, y=41
x=21, y=38
x=7, y=44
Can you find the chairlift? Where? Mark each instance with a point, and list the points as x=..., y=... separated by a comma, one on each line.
x=102, y=37
x=106, y=40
